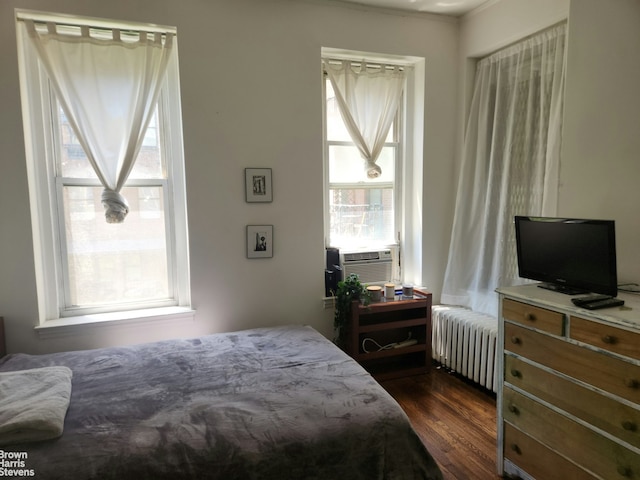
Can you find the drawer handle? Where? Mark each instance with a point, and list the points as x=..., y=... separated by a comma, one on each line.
x=513, y=409
x=516, y=340
x=530, y=317
x=632, y=383
x=629, y=426
x=609, y=339
x=624, y=471
x=516, y=448
x=516, y=373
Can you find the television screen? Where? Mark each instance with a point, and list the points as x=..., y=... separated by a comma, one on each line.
x=569, y=255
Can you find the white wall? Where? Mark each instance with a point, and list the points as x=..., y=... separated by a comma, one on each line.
x=600, y=168
x=251, y=97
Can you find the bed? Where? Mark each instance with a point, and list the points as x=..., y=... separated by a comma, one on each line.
x=270, y=403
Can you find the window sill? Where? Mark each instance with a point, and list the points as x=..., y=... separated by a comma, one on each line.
x=74, y=325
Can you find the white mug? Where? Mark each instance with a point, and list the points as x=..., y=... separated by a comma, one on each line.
x=389, y=290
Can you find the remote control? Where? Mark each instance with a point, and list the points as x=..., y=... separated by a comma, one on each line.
x=606, y=303
x=583, y=300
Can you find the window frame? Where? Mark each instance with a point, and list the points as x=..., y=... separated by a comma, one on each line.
x=400, y=136
x=45, y=188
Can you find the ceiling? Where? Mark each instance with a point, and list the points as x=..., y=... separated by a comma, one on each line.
x=444, y=7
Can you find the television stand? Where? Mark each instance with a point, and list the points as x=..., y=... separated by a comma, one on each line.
x=562, y=289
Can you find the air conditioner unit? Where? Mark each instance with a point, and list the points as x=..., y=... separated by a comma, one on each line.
x=374, y=267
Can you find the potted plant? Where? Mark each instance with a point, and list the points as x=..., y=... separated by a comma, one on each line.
x=349, y=289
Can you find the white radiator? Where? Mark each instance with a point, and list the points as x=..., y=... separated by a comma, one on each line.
x=465, y=341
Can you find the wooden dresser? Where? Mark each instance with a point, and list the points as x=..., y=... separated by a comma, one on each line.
x=569, y=389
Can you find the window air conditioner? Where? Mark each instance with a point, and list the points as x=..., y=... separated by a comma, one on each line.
x=373, y=267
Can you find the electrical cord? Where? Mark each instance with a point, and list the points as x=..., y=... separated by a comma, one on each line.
x=629, y=288
x=380, y=348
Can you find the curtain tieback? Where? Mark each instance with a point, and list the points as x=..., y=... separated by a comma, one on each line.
x=115, y=205
x=373, y=170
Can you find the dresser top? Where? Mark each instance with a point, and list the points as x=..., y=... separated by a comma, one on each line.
x=627, y=315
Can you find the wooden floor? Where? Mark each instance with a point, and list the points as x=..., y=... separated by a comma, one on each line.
x=454, y=419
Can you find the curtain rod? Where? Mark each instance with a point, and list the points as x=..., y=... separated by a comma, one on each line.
x=94, y=23
x=369, y=64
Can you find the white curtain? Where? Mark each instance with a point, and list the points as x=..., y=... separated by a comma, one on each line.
x=108, y=89
x=368, y=98
x=510, y=165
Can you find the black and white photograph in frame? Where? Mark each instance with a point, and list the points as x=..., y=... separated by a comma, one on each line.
x=259, y=241
x=258, y=186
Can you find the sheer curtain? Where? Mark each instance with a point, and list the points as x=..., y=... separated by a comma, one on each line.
x=367, y=97
x=108, y=86
x=510, y=165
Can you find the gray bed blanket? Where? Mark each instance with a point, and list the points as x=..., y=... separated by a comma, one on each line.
x=276, y=403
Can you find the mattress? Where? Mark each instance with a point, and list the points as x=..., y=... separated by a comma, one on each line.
x=269, y=403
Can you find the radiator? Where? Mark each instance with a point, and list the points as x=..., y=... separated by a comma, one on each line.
x=465, y=342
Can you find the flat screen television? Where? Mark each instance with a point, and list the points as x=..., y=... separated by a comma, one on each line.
x=569, y=255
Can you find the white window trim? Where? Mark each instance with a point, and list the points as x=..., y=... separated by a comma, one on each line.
x=396, y=184
x=409, y=172
x=44, y=214
x=71, y=326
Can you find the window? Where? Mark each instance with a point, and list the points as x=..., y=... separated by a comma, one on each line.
x=363, y=212
x=84, y=264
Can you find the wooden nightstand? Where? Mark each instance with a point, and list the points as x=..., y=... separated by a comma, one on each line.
x=387, y=322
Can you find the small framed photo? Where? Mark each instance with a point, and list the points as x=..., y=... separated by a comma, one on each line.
x=258, y=186
x=259, y=241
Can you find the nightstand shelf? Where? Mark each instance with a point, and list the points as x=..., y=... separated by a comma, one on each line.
x=375, y=327
x=392, y=352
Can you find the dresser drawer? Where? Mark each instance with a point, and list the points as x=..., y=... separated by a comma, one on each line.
x=536, y=317
x=600, y=370
x=604, y=412
x=538, y=460
x=616, y=340
x=587, y=448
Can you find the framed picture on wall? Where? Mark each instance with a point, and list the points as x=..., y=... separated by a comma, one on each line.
x=258, y=186
x=259, y=241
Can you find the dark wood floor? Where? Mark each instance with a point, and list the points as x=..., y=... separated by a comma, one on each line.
x=454, y=419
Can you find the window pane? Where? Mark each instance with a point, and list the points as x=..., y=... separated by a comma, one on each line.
x=74, y=162
x=336, y=129
x=347, y=166
x=150, y=199
x=149, y=162
x=115, y=263
x=361, y=216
